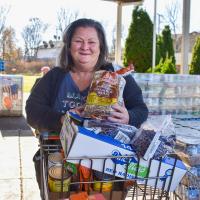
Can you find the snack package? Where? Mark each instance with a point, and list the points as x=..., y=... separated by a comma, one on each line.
x=151, y=142
x=121, y=132
x=106, y=90
x=79, y=196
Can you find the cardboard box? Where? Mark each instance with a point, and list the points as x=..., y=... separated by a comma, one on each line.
x=90, y=145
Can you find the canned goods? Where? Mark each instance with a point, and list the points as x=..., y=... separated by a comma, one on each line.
x=55, y=159
x=106, y=186
x=54, y=180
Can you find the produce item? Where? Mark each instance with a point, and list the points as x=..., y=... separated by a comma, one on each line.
x=85, y=175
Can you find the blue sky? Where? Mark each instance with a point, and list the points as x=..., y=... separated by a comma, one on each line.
x=22, y=10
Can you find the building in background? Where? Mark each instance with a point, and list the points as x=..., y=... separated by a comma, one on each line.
x=177, y=46
x=49, y=51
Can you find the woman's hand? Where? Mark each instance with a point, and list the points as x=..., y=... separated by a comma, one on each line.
x=120, y=114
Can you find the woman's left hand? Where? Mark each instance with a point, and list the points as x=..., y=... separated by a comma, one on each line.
x=120, y=114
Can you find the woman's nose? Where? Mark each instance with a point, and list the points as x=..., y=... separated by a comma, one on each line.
x=84, y=45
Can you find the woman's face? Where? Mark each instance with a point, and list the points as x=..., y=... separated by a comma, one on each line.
x=85, y=48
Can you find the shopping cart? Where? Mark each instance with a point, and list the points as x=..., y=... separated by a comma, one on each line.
x=121, y=188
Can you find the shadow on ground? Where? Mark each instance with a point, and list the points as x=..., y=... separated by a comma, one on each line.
x=14, y=126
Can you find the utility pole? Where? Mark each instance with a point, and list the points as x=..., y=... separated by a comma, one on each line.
x=160, y=17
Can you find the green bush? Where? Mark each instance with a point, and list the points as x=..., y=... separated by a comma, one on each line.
x=166, y=67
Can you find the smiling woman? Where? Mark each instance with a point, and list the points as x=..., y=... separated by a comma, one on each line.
x=65, y=88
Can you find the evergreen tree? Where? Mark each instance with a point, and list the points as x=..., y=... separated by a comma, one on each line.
x=195, y=63
x=138, y=44
x=165, y=46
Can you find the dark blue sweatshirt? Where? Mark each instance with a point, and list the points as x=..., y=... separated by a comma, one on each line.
x=42, y=116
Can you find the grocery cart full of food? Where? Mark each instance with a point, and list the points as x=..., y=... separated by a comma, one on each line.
x=80, y=163
x=93, y=158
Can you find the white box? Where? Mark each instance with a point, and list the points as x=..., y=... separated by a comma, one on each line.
x=88, y=144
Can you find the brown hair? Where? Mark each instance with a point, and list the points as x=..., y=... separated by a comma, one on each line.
x=66, y=61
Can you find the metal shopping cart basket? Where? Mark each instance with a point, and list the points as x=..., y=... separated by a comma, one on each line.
x=110, y=186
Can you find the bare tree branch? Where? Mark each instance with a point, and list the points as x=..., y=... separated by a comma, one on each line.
x=3, y=14
x=32, y=35
x=172, y=15
x=65, y=17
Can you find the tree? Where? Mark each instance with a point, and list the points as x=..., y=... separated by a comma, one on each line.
x=165, y=46
x=3, y=13
x=138, y=44
x=65, y=17
x=173, y=11
x=195, y=62
x=32, y=35
x=172, y=15
x=10, y=52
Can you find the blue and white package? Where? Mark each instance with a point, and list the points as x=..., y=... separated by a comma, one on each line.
x=92, y=148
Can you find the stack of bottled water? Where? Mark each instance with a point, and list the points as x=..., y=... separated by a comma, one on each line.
x=170, y=93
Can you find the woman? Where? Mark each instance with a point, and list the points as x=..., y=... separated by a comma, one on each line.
x=84, y=52
x=66, y=87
